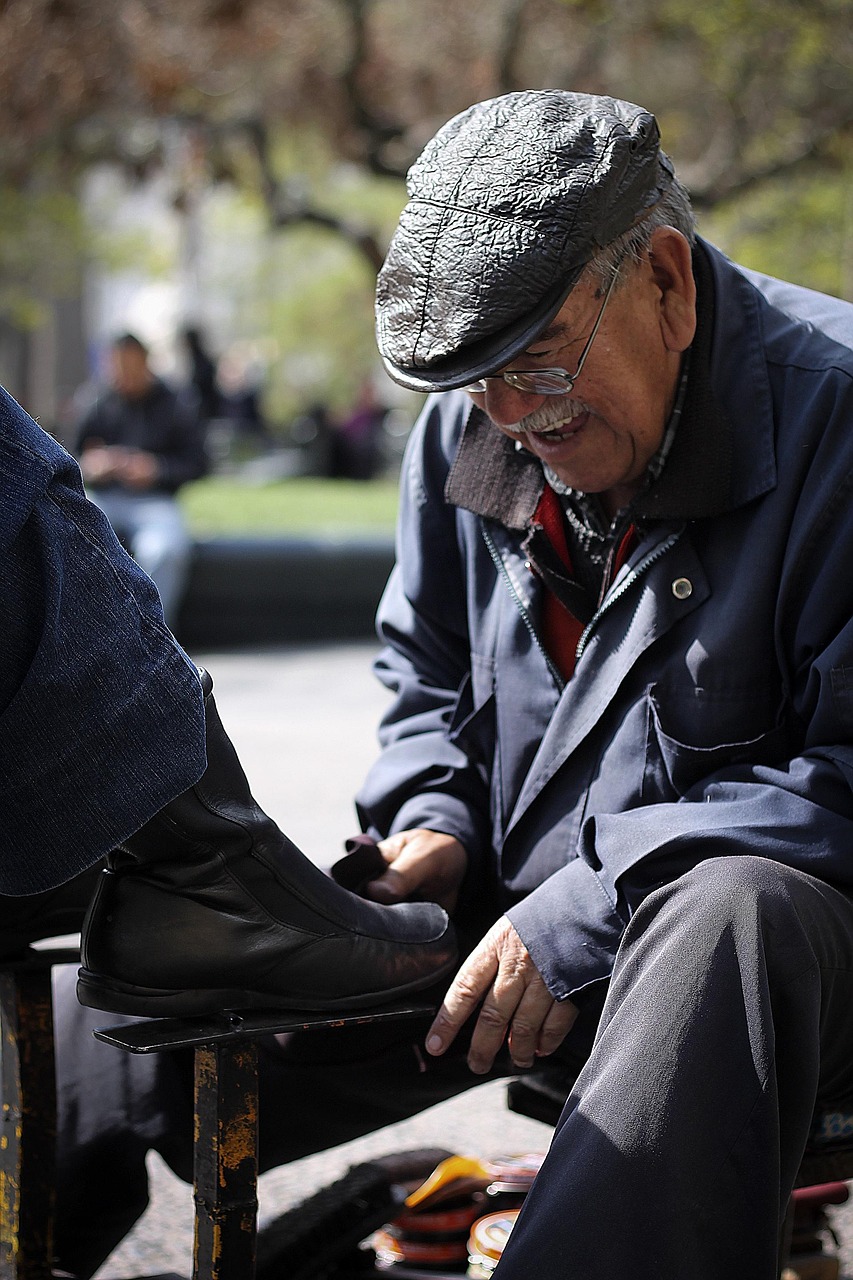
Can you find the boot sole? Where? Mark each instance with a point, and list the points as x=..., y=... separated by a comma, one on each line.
x=118, y=997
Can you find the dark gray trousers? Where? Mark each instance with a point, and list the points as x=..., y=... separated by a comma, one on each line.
x=726, y=1021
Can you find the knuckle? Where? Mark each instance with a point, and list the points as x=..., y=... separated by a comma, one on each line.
x=465, y=985
x=491, y=1017
x=524, y=1028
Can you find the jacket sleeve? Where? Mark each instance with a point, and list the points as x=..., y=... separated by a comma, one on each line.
x=422, y=779
x=797, y=811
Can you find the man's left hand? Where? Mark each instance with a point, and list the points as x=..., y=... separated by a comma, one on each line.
x=517, y=1006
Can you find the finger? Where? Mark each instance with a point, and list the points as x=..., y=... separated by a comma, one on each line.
x=391, y=848
x=557, y=1025
x=517, y=1003
x=528, y=1022
x=463, y=995
x=489, y=1034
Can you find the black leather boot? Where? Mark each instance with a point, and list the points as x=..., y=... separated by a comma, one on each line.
x=45, y=915
x=209, y=906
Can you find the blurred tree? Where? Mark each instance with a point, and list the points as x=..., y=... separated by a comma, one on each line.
x=755, y=99
x=746, y=89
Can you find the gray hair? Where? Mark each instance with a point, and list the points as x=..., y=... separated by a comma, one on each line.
x=673, y=210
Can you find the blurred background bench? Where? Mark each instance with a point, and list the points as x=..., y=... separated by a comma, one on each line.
x=251, y=591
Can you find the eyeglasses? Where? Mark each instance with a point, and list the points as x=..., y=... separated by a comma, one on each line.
x=545, y=382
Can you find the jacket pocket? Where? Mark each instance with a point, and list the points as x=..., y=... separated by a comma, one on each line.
x=673, y=766
x=472, y=720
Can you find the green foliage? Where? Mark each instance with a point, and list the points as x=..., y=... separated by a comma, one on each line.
x=219, y=506
x=306, y=295
x=799, y=228
x=40, y=244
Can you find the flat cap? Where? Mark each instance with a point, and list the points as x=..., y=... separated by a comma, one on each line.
x=507, y=204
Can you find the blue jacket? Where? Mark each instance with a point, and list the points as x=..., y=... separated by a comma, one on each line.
x=711, y=708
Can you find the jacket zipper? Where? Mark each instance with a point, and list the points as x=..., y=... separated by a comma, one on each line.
x=520, y=605
x=626, y=583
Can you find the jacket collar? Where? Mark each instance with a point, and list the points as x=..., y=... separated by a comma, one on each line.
x=492, y=477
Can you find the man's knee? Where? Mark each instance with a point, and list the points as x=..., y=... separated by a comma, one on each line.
x=747, y=905
x=726, y=888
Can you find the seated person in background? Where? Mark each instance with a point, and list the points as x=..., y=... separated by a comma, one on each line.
x=137, y=444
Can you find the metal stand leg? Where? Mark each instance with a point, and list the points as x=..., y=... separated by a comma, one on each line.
x=28, y=1128
x=226, y=1115
x=226, y=1165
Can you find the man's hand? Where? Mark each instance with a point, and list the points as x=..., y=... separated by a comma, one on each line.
x=517, y=1005
x=102, y=463
x=421, y=864
x=138, y=469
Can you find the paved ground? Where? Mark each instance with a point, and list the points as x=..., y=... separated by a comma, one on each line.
x=303, y=720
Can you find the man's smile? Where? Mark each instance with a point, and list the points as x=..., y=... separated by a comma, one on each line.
x=554, y=424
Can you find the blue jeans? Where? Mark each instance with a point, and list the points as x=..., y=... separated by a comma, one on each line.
x=101, y=711
x=152, y=527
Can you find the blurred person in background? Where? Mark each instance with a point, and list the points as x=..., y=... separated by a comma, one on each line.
x=240, y=384
x=202, y=373
x=137, y=444
x=357, y=452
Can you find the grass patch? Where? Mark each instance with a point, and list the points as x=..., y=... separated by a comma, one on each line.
x=224, y=507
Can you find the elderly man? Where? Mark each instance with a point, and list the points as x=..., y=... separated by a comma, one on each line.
x=619, y=637
x=620, y=748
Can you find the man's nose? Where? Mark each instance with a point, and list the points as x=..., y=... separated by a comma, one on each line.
x=507, y=405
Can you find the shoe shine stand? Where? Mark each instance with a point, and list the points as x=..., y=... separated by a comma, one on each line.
x=226, y=1115
x=225, y=1173
x=226, y=1130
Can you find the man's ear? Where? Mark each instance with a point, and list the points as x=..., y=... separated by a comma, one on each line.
x=671, y=262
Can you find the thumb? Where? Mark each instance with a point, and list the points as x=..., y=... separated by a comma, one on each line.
x=396, y=883
x=391, y=886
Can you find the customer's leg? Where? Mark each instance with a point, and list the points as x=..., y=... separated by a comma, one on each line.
x=161, y=545
x=113, y=1107
x=727, y=1018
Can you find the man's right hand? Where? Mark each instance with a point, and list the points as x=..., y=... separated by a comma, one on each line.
x=423, y=864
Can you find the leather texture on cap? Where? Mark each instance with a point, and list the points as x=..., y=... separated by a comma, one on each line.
x=507, y=204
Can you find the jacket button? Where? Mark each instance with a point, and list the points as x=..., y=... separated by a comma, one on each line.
x=682, y=588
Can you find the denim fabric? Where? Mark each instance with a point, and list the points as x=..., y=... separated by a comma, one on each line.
x=152, y=527
x=101, y=712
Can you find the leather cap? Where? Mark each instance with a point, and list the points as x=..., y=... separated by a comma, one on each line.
x=507, y=204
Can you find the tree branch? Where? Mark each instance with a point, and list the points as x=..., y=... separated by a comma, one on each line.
x=287, y=208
